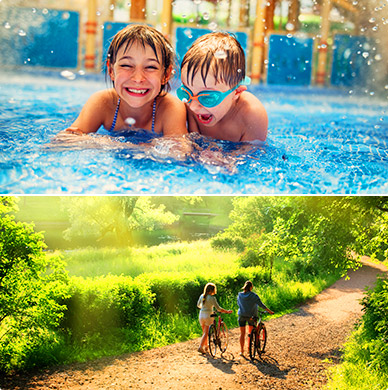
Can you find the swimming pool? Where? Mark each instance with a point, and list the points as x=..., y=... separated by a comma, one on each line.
x=321, y=141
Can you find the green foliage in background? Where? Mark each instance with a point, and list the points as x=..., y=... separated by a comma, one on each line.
x=320, y=231
x=98, y=216
x=31, y=291
x=365, y=361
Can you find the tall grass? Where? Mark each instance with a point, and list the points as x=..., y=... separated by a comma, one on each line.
x=173, y=257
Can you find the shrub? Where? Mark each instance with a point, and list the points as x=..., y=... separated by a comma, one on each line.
x=375, y=323
x=227, y=242
x=105, y=303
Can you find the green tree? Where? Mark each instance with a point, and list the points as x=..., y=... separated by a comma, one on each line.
x=96, y=216
x=31, y=285
x=316, y=230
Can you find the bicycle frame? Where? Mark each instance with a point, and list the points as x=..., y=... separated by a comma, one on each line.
x=218, y=335
x=258, y=337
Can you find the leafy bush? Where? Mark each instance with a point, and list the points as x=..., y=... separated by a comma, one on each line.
x=227, y=242
x=375, y=324
x=179, y=292
x=365, y=361
x=105, y=303
x=32, y=287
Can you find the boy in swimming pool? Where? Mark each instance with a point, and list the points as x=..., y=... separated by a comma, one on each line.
x=214, y=90
x=140, y=64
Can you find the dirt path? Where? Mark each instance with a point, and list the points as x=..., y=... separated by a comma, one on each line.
x=301, y=347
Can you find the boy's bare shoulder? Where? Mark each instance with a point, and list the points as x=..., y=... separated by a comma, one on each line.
x=253, y=116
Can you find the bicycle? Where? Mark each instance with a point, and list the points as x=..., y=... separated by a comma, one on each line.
x=257, y=337
x=218, y=335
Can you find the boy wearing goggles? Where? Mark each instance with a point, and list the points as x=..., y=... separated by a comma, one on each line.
x=214, y=90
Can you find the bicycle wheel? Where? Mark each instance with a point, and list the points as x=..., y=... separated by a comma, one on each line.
x=253, y=344
x=223, y=337
x=262, y=338
x=212, y=340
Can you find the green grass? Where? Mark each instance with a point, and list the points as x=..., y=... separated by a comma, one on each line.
x=196, y=256
x=355, y=373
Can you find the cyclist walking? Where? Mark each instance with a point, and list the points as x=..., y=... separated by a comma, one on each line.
x=248, y=302
x=206, y=302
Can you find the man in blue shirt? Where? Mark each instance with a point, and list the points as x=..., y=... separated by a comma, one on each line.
x=248, y=302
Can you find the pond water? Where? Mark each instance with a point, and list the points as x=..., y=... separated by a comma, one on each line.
x=320, y=141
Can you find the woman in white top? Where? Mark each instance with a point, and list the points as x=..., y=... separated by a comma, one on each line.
x=206, y=302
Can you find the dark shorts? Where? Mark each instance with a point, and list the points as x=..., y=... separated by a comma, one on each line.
x=242, y=321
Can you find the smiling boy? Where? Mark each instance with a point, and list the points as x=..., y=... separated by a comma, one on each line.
x=214, y=90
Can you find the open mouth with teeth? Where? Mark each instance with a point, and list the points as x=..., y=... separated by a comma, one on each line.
x=205, y=118
x=137, y=92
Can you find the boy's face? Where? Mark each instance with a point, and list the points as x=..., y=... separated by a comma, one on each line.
x=208, y=116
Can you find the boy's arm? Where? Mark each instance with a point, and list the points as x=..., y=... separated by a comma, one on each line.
x=93, y=114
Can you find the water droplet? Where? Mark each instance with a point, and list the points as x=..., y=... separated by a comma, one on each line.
x=290, y=26
x=206, y=16
x=365, y=54
x=372, y=20
x=184, y=100
x=7, y=25
x=220, y=54
x=112, y=7
x=67, y=74
x=213, y=26
x=130, y=121
x=22, y=33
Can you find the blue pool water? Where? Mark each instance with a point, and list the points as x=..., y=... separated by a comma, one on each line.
x=320, y=142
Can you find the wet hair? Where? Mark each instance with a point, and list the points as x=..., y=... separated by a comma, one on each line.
x=145, y=35
x=219, y=53
x=209, y=288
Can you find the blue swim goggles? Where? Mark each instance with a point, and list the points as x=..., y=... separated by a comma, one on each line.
x=207, y=99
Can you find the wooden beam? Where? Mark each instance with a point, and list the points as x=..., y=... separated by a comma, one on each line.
x=91, y=31
x=346, y=5
x=137, y=10
x=323, y=45
x=258, y=41
x=166, y=19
